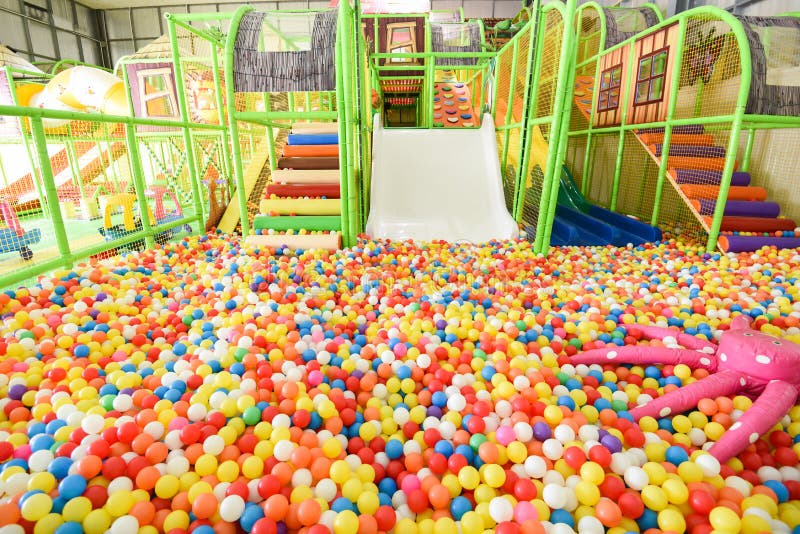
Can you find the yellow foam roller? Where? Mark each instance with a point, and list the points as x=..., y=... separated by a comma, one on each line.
x=288, y=176
x=301, y=206
x=307, y=241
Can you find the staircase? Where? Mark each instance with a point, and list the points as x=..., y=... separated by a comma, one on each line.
x=695, y=165
x=301, y=208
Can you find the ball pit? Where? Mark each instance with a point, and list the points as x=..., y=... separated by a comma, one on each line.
x=208, y=387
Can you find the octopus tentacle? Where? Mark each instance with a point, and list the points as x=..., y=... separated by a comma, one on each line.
x=722, y=383
x=777, y=399
x=642, y=354
x=690, y=342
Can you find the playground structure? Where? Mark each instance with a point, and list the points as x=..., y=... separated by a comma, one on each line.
x=695, y=146
x=691, y=124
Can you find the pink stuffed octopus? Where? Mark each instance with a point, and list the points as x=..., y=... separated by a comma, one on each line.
x=745, y=361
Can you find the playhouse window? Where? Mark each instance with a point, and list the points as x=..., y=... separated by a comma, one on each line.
x=155, y=93
x=401, y=39
x=610, y=82
x=650, y=78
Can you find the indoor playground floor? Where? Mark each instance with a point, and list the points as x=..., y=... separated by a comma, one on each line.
x=210, y=387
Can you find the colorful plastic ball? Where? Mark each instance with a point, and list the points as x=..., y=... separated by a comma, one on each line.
x=72, y=486
x=724, y=520
x=671, y=519
x=608, y=512
x=345, y=523
x=231, y=508
x=501, y=509
x=36, y=507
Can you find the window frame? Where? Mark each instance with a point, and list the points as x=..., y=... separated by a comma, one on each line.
x=145, y=97
x=650, y=78
x=391, y=46
x=604, y=94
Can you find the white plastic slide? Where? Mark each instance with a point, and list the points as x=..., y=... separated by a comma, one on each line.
x=437, y=184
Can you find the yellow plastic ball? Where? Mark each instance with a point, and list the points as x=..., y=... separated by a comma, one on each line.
x=676, y=491
x=753, y=524
x=97, y=522
x=587, y=493
x=36, y=507
x=654, y=498
x=671, y=519
x=346, y=522
x=48, y=524
x=167, y=486
x=469, y=478
x=493, y=475
x=724, y=520
x=472, y=523
x=592, y=473
x=76, y=509
x=176, y=519
x=332, y=448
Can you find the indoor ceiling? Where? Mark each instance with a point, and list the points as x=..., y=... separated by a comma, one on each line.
x=115, y=4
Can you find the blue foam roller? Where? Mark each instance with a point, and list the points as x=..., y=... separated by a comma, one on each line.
x=313, y=139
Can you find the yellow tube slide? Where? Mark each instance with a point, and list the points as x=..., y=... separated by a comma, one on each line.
x=77, y=89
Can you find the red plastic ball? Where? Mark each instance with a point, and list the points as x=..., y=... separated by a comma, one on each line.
x=701, y=501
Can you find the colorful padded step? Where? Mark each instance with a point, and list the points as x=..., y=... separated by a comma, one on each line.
x=292, y=176
x=681, y=139
x=754, y=224
x=313, y=223
x=695, y=151
x=734, y=192
x=694, y=176
x=695, y=166
x=302, y=208
x=751, y=243
x=311, y=151
x=303, y=190
x=313, y=139
x=307, y=164
x=683, y=129
x=739, y=208
x=688, y=162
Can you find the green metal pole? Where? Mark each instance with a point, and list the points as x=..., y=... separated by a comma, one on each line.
x=510, y=100
x=341, y=61
x=587, y=161
x=51, y=194
x=238, y=168
x=748, y=149
x=430, y=76
x=561, y=112
x=535, y=57
x=673, y=102
x=273, y=157
x=365, y=117
x=736, y=127
x=137, y=175
x=621, y=143
x=188, y=142
x=226, y=155
x=351, y=122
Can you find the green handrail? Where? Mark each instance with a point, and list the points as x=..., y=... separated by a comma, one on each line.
x=233, y=126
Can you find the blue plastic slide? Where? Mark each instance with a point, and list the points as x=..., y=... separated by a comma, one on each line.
x=579, y=222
